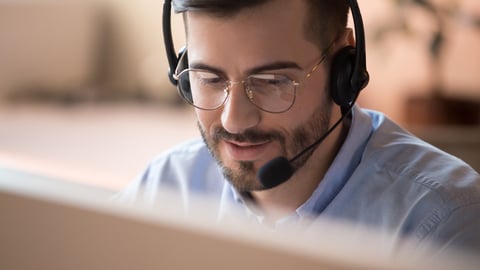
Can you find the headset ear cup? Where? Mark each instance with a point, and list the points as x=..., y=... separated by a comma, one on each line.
x=341, y=74
x=183, y=85
x=181, y=63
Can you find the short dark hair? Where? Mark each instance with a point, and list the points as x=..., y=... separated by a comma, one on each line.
x=326, y=18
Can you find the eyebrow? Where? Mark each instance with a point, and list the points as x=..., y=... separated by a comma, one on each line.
x=277, y=65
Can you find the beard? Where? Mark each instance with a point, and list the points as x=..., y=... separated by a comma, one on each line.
x=243, y=177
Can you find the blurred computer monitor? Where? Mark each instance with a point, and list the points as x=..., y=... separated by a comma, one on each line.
x=50, y=224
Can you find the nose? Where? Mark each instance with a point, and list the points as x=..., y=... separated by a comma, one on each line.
x=239, y=113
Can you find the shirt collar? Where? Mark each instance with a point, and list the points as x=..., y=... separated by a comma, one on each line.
x=343, y=165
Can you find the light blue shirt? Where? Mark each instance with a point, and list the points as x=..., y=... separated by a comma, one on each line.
x=382, y=177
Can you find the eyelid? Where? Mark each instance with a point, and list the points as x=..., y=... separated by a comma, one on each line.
x=274, y=76
x=265, y=76
x=278, y=68
x=212, y=72
x=209, y=74
x=207, y=68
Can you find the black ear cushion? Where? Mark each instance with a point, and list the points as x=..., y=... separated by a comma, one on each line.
x=183, y=86
x=181, y=62
x=341, y=71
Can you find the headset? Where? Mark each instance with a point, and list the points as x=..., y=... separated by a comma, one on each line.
x=348, y=74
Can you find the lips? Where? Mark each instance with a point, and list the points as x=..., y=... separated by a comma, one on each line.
x=245, y=151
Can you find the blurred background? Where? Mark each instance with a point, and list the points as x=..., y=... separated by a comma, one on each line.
x=84, y=94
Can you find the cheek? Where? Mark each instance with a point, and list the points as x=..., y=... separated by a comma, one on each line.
x=312, y=95
x=207, y=119
x=303, y=109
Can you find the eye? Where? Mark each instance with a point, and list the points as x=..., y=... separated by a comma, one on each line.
x=270, y=80
x=208, y=78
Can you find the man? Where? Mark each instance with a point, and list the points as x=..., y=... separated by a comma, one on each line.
x=260, y=76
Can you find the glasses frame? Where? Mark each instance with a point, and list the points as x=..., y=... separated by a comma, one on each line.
x=247, y=91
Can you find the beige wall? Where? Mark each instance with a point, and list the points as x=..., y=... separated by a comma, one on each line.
x=138, y=27
x=46, y=42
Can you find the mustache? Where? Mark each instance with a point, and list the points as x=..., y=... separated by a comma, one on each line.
x=249, y=135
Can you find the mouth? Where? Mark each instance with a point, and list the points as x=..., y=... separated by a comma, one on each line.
x=246, y=151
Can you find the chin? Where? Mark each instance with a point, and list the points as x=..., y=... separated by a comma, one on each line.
x=242, y=176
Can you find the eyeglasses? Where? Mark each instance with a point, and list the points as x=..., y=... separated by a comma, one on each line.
x=207, y=90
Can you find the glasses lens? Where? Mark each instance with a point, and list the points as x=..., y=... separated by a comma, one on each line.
x=271, y=92
x=206, y=90
x=203, y=89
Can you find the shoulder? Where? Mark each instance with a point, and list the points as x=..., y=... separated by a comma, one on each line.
x=405, y=184
x=393, y=149
x=186, y=152
x=395, y=153
x=187, y=168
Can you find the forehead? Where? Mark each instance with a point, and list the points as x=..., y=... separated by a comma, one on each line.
x=274, y=31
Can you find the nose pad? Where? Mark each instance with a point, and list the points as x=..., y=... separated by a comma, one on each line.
x=249, y=92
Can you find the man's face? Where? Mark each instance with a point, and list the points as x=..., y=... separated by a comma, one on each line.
x=269, y=39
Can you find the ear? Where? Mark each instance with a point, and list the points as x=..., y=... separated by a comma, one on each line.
x=346, y=38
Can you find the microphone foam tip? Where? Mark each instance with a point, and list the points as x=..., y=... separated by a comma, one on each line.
x=275, y=172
